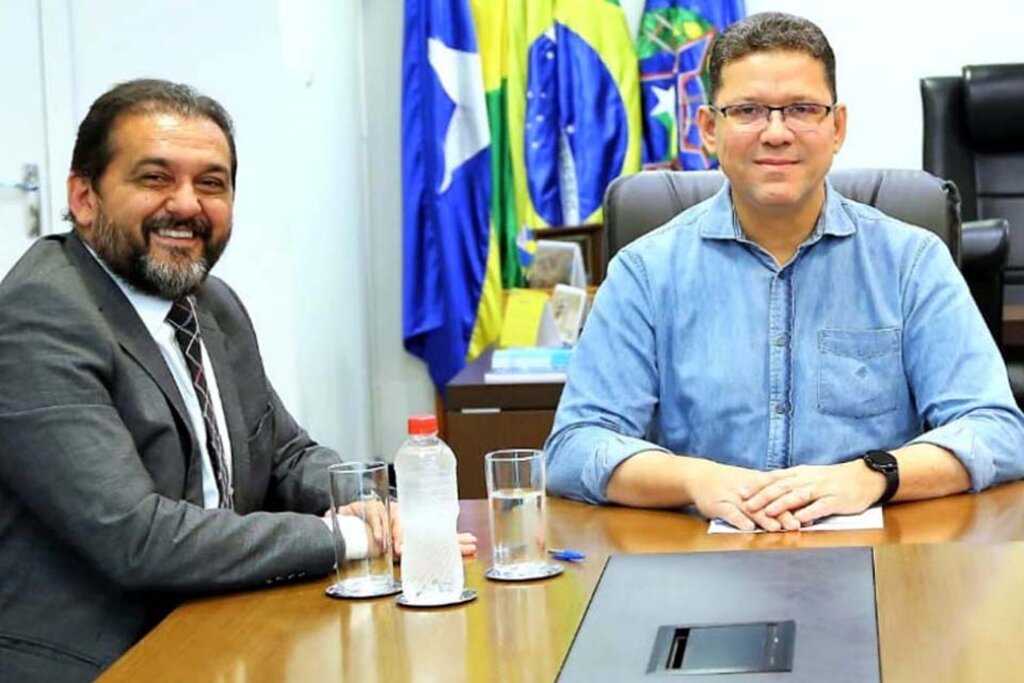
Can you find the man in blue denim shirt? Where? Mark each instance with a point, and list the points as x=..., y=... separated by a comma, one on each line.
x=779, y=353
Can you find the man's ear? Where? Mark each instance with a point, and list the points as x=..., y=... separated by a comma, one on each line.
x=840, y=128
x=83, y=202
x=706, y=124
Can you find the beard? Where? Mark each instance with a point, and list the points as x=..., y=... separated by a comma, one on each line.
x=130, y=258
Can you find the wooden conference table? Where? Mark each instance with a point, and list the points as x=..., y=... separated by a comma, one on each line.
x=949, y=583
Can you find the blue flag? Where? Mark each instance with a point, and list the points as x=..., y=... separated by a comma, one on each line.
x=673, y=44
x=446, y=187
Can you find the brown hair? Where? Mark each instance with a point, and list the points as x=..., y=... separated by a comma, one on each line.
x=765, y=32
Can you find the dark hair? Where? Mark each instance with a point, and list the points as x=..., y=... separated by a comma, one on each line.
x=143, y=96
x=766, y=32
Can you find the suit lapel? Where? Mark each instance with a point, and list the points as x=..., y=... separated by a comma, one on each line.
x=135, y=339
x=214, y=341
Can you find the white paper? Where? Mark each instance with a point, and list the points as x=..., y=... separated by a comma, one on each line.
x=551, y=377
x=548, y=334
x=579, y=270
x=568, y=305
x=869, y=519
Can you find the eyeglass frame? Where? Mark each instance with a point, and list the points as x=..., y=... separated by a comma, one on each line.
x=724, y=111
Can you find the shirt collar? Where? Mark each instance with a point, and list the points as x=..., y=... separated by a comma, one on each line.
x=720, y=221
x=151, y=309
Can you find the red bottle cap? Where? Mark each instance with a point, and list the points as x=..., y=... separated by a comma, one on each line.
x=420, y=425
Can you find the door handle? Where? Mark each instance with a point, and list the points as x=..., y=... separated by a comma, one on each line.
x=29, y=185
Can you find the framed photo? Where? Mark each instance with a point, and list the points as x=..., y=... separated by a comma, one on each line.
x=557, y=263
x=591, y=240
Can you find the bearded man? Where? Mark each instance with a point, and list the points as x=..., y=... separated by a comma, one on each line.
x=144, y=455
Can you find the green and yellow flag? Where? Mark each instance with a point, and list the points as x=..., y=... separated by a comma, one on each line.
x=491, y=17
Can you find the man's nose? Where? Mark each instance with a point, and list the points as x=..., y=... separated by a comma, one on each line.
x=184, y=201
x=776, y=132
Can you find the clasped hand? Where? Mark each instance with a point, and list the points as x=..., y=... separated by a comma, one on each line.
x=374, y=515
x=786, y=499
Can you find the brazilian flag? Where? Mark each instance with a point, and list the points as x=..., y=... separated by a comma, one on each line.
x=563, y=95
x=673, y=45
x=574, y=104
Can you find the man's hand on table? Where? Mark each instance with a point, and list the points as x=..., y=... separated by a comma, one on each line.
x=373, y=513
x=797, y=496
x=721, y=492
x=467, y=541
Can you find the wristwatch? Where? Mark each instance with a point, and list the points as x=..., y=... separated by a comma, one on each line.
x=885, y=464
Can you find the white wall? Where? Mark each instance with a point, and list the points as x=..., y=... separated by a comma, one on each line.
x=288, y=72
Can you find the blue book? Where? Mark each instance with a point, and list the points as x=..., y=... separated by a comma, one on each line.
x=530, y=359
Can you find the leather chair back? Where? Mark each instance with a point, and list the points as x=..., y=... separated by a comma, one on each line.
x=635, y=205
x=974, y=136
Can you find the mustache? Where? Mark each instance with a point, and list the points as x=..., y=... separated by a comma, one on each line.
x=199, y=226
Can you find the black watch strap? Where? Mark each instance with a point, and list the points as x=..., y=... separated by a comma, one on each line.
x=885, y=464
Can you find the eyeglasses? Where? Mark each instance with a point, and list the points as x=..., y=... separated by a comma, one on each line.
x=796, y=116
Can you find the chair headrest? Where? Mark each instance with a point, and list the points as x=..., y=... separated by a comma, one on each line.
x=994, y=107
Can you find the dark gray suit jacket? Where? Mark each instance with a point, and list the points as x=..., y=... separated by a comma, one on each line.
x=102, y=530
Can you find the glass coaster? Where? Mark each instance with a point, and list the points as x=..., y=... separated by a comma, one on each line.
x=467, y=596
x=524, y=572
x=359, y=590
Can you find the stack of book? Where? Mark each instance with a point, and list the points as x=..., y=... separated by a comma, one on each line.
x=528, y=364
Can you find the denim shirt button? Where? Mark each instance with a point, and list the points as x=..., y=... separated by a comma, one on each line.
x=781, y=408
x=781, y=340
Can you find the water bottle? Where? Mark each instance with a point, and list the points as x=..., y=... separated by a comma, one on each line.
x=428, y=493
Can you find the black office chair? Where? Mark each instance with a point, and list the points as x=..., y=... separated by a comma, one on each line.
x=974, y=136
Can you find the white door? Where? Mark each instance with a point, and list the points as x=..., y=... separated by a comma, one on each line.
x=23, y=212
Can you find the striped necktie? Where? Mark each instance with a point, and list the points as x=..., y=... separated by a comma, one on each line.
x=182, y=318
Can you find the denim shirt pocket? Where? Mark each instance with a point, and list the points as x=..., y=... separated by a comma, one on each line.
x=859, y=371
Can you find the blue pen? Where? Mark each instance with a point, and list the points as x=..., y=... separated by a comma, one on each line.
x=567, y=555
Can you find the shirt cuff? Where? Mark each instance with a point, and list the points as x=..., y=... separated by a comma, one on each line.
x=353, y=530
x=611, y=452
x=960, y=440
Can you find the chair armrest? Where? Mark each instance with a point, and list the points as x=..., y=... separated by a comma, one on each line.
x=986, y=244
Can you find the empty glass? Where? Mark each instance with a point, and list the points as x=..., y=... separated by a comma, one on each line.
x=360, y=489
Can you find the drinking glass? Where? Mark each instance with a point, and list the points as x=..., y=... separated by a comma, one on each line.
x=362, y=488
x=516, y=498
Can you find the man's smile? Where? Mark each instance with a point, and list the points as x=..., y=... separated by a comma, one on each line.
x=776, y=162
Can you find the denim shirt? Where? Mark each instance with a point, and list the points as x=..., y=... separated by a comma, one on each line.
x=700, y=344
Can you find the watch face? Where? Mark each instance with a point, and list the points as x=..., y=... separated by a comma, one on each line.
x=880, y=461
